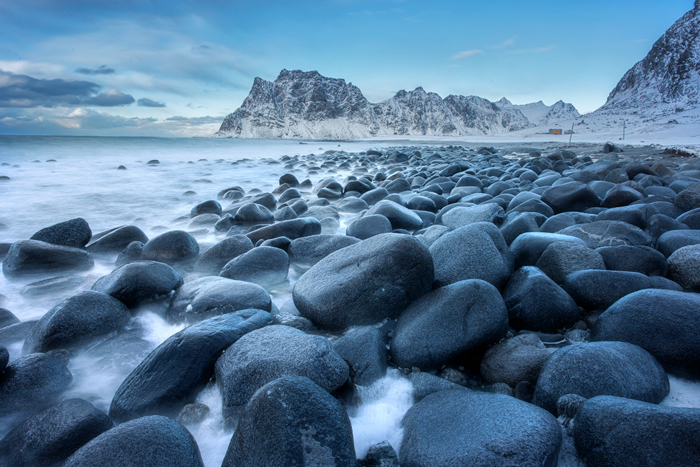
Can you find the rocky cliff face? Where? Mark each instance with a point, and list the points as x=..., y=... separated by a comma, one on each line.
x=307, y=105
x=668, y=78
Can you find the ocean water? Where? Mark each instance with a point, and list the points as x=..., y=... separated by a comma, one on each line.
x=53, y=179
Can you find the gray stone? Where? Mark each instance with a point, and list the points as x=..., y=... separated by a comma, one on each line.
x=139, y=282
x=307, y=251
x=515, y=359
x=171, y=247
x=562, y=258
x=364, y=349
x=35, y=257
x=264, y=265
x=684, y=267
x=211, y=261
x=75, y=233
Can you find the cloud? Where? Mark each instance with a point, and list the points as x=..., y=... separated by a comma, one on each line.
x=100, y=70
x=26, y=92
x=467, y=54
x=506, y=43
x=195, y=120
x=146, y=102
x=536, y=50
x=91, y=119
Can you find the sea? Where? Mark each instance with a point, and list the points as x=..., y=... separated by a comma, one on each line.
x=115, y=181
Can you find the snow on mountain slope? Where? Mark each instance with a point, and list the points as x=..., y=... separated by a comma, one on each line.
x=538, y=113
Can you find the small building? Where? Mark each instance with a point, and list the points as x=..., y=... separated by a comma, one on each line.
x=555, y=131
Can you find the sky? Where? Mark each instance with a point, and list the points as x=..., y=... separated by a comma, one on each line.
x=178, y=67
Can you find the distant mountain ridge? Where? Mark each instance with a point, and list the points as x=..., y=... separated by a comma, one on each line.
x=302, y=104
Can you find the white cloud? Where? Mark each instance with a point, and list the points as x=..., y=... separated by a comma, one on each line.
x=467, y=54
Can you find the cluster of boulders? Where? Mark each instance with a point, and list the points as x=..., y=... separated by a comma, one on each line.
x=508, y=288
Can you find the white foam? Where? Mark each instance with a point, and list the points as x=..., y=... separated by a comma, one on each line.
x=156, y=328
x=210, y=435
x=683, y=393
x=382, y=407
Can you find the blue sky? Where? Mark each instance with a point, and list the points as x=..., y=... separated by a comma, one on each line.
x=176, y=68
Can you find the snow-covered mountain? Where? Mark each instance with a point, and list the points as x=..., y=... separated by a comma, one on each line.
x=538, y=113
x=667, y=80
x=307, y=105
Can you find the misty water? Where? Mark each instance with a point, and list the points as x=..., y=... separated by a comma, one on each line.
x=54, y=179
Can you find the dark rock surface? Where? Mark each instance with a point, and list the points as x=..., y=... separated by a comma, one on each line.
x=36, y=257
x=171, y=247
x=75, y=233
x=135, y=283
x=115, y=241
x=364, y=349
x=215, y=258
x=264, y=265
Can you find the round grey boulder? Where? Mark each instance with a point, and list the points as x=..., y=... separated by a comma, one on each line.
x=211, y=261
x=364, y=349
x=307, y=251
x=515, y=359
x=292, y=422
x=153, y=441
x=597, y=290
x=468, y=428
x=447, y=322
x=365, y=283
x=272, y=352
x=601, y=368
x=36, y=257
x=562, y=258
x=399, y=216
x=264, y=265
x=76, y=321
x=135, y=283
x=75, y=233
x=608, y=233
x=684, y=267
x=368, y=226
x=171, y=247
x=116, y=240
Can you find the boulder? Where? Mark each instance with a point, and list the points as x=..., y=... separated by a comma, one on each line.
x=642, y=259
x=574, y=196
x=614, y=431
x=597, y=290
x=153, y=441
x=475, y=251
x=7, y=318
x=294, y=228
x=601, y=369
x=264, y=265
x=672, y=240
x=608, y=233
x=36, y=257
x=76, y=321
x=684, y=267
x=131, y=253
x=50, y=437
x=211, y=261
x=528, y=247
x=135, y=283
x=562, y=258
x=469, y=428
x=368, y=226
x=536, y=303
x=115, y=241
x=425, y=384
x=207, y=207
x=364, y=349
x=465, y=215
x=365, y=283
x=52, y=286
x=272, y=352
x=253, y=214
x=399, y=216
x=665, y=323
x=292, y=422
x=448, y=322
x=213, y=296
x=307, y=251
x=178, y=369
x=171, y=247
x=75, y=233
x=514, y=359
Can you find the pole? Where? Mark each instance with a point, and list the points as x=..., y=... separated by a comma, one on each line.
x=572, y=134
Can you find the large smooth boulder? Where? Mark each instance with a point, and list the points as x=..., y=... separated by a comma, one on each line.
x=601, y=369
x=613, y=431
x=562, y=258
x=135, y=283
x=528, y=247
x=475, y=251
x=307, y=251
x=665, y=323
x=174, y=373
x=213, y=296
x=264, y=265
x=32, y=383
x=642, y=259
x=465, y=215
x=211, y=261
x=673, y=240
x=116, y=240
x=368, y=226
x=75, y=321
x=536, y=303
x=294, y=228
x=469, y=428
x=447, y=322
x=171, y=247
x=364, y=349
x=608, y=233
x=36, y=257
x=292, y=422
x=50, y=437
x=253, y=214
x=153, y=441
x=515, y=359
x=684, y=267
x=574, y=196
x=207, y=207
x=272, y=352
x=75, y=233
x=365, y=283
x=399, y=216
x=595, y=289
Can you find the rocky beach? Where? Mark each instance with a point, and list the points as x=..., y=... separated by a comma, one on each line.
x=354, y=304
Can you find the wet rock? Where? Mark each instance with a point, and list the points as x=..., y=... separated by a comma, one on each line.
x=153, y=441
x=601, y=368
x=213, y=296
x=310, y=250
x=364, y=283
x=620, y=195
x=399, y=216
x=373, y=196
x=35, y=257
x=515, y=359
x=75, y=233
x=616, y=431
x=575, y=196
x=528, y=247
x=641, y=259
x=76, y=321
x=117, y=240
x=369, y=226
x=535, y=302
x=4, y=358
x=178, y=369
x=15, y=332
x=215, y=258
x=562, y=258
x=517, y=224
x=253, y=214
x=272, y=352
x=7, y=318
x=131, y=253
x=291, y=229
x=193, y=413
x=608, y=233
x=352, y=205
x=673, y=240
x=50, y=437
x=473, y=428
x=380, y=455
x=475, y=251
x=292, y=421
x=32, y=383
x=263, y=265
x=364, y=349
x=135, y=283
x=54, y=285
x=597, y=290
x=425, y=384
x=461, y=216
x=171, y=247
x=448, y=322
x=663, y=322
x=684, y=267
x=207, y=207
